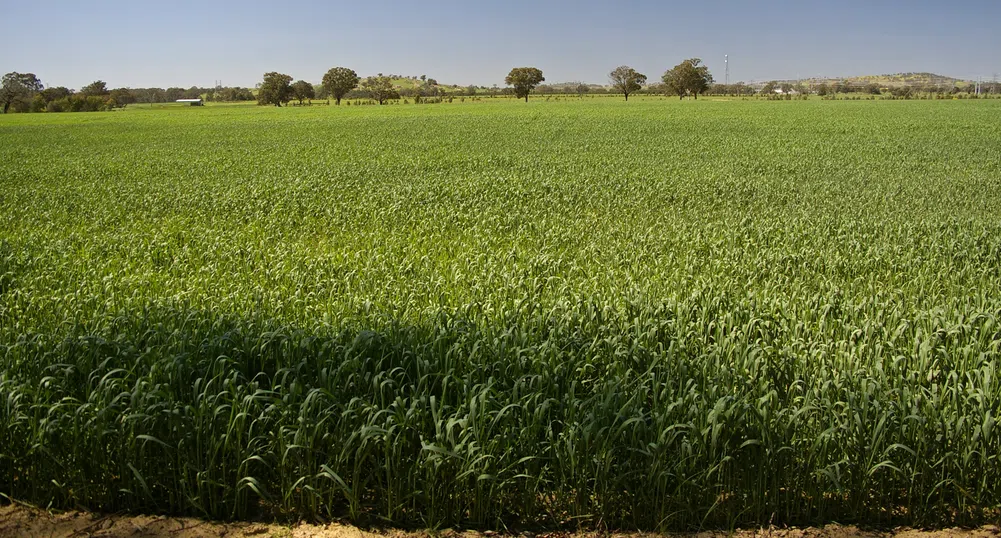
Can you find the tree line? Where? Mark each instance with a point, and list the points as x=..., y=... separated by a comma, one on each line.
x=689, y=78
x=24, y=92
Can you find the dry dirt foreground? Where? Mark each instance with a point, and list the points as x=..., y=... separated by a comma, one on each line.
x=18, y=521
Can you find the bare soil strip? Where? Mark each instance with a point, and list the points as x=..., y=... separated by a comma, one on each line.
x=18, y=521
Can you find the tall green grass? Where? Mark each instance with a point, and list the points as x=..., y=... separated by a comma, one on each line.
x=652, y=315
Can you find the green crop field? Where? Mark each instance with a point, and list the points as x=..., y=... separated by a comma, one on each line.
x=654, y=314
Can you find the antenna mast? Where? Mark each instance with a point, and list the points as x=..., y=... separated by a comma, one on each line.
x=726, y=61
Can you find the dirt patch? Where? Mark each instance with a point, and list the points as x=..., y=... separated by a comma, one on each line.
x=19, y=521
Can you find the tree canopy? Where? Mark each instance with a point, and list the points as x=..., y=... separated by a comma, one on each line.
x=380, y=88
x=689, y=77
x=122, y=97
x=276, y=89
x=524, y=79
x=303, y=90
x=55, y=93
x=17, y=87
x=338, y=81
x=96, y=88
x=626, y=80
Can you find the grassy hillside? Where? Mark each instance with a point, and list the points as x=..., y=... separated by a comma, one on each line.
x=896, y=80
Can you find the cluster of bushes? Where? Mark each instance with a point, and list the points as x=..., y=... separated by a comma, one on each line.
x=74, y=103
x=91, y=98
x=852, y=98
x=731, y=90
x=24, y=92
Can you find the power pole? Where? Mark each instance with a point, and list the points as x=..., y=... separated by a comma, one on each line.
x=726, y=61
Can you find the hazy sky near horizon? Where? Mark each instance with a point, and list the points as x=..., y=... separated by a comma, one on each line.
x=187, y=43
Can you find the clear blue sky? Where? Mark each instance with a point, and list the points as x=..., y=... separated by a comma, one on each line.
x=186, y=43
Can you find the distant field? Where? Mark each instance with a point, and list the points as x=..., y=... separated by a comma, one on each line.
x=654, y=314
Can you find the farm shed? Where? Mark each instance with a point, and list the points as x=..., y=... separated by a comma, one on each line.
x=192, y=102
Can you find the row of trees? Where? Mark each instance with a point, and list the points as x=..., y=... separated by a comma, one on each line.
x=278, y=88
x=689, y=78
x=24, y=92
x=341, y=82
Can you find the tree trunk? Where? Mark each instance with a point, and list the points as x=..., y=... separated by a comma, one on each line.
x=6, y=107
x=338, y=99
x=526, y=99
x=696, y=96
x=627, y=97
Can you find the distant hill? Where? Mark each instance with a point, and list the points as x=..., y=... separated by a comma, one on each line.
x=895, y=80
x=413, y=83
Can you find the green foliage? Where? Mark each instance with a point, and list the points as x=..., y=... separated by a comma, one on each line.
x=55, y=93
x=524, y=79
x=275, y=90
x=18, y=87
x=78, y=102
x=626, y=80
x=303, y=90
x=380, y=89
x=122, y=97
x=228, y=94
x=338, y=81
x=653, y=316
x=689, y=77
x=97, y=88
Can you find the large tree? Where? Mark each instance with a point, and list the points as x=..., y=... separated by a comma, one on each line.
x=524, y=79
x=303, y=90
x=149, y=95
x=122, y=97
x=96, y=88
x=275, y=90
x=626, y=80
x=689, y=77
x=380, y=88
x=17, y=87
x=56, y=93
x=339, y=81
